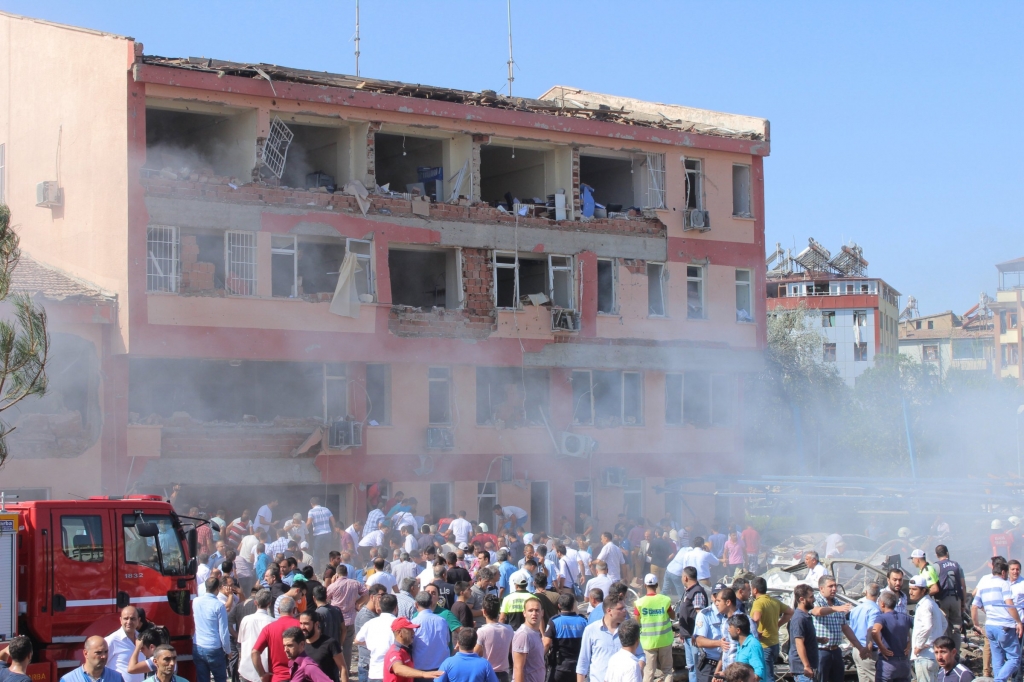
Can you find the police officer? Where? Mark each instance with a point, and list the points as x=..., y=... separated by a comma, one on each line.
x=694, y=600
x=952, y=593
x=711, y=635
x=654, y=612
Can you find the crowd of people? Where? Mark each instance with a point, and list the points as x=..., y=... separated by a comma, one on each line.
x=397, y=597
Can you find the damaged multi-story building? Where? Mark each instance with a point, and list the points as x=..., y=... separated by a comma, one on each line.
x=306, y=281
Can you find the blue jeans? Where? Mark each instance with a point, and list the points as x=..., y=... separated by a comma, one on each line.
x=771, y=654
x=210, y=662
x=515, y=522
x=803, y=678
x=1005, y=651
x=364, y=675
x=675, y=582
x=688, y=647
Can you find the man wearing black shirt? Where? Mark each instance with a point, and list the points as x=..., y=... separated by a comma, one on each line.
x=565, y=633
x=660, y=550
x=461, y=608
x=326, y=652
x=332, y=620
x=456, y=574
x=803, y=641
x=445, y=590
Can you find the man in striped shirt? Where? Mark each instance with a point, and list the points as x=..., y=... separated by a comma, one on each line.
x=320, y=521
x=1003, y=627
x=374, y=518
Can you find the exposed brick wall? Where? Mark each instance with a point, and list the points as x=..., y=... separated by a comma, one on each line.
x=475, y=320
x=577, y=207
x=160, y=184
x=635, y=266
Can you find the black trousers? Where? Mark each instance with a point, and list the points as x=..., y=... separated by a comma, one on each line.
x=830, y=665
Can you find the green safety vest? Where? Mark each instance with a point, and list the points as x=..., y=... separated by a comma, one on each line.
x=655, y=626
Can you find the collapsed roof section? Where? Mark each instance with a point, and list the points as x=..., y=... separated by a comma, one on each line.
x=558, y=101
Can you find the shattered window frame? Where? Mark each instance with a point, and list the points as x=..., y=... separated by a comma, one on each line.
x=165, y=250
x=567, y=265
x=654, y=195
x=514, y=266
x=659, y=300
x=381, y=410
x=278, y=248
x=695, y=305
x=365, y=262
x=828, y=318
x=581, y=391
x=335, y=385
x=613, y=275
x=744, y=288
x=631, y=412
x=694, y=183
x=740, y=198
x=439, y=388
x=674, y=399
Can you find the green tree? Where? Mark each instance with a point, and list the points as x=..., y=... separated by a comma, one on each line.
x=24, y=343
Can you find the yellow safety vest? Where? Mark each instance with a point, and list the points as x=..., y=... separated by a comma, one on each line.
x=655, y=626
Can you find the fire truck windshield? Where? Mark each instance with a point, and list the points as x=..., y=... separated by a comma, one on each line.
x=164, y=552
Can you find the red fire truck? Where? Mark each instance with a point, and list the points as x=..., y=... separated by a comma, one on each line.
x=75, y=564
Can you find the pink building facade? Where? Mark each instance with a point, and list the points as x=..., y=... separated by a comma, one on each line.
x=495, y=337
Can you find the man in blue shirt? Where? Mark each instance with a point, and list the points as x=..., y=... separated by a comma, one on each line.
x=891, y=635
x=710, y=634
x=601, y=641
x=465, y=665
x=94, y=668
x=212, y=639
x=431, y=643
x=505, y=569
x=862, y=618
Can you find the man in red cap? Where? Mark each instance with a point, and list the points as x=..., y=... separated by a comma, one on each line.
x=398, y=659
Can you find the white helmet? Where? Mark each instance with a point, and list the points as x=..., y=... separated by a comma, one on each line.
x=483, y=528
x=1014, y=520
x=997, y=524
x=903, y=532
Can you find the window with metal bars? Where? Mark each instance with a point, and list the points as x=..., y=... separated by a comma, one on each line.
x=240, y=262
x=655, y=181
x=162, y=258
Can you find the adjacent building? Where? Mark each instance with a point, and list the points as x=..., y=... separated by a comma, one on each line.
x=307, y=282
x=858, y=314
x=1008, y=310
x=949, y=342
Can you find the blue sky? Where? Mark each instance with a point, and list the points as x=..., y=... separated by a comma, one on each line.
x=893, y=124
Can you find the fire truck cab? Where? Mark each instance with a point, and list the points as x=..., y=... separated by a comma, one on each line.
x=79, y=562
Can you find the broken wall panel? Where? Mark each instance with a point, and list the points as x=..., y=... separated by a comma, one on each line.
x=612, y=180
x=222, y=144
x=319, y=263
x=419, y=278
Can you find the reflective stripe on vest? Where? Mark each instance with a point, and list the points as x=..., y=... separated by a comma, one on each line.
x=655, y=627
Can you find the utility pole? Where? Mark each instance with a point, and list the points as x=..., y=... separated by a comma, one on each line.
x=357, y=38
x=511, y=62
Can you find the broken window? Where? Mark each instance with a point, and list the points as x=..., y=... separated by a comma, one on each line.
x=425, y=278
x=614, y=177
x=335, y=392
x=697, y=399
x=632, y=399
x=829, y=352
x=860, y=352
x=363, y=249
x=318, y=156
x=744, y=311
x=509, y=173
x=606, y=278
x=931, y=353
x=162, y=258
x=694, y=292
x=722, y=399
x=656, y=289
x=694, y=184
x=283, y=266
x=378, y=395
x=516, y=278
x=318, y=265
x=511, y=396
x=741, y=191
x=654, y=187
x=607, y=398
x=674, y=399
x=439, y=395
x=828, y=318
x=582, y=398
x=218, y=142
x=241, y=263
x=409, y=164
x=860, y=318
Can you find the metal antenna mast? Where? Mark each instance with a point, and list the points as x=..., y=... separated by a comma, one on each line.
x=357, y=37
x=511, y=62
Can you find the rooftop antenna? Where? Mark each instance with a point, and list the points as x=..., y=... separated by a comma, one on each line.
x=511, y=62
x=357, y=38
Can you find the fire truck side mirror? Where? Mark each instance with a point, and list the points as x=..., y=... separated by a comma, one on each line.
x=146, y=529
x=192, y=537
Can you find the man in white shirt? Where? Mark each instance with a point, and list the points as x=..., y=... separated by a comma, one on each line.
x=601, y=581
x=265, y=516
x=248, y=631
x=702, y=560
x=624, y=666
x=584, y=556
x=815, y=570
x=510, y=517
x=929, y=624
x=377, y=637
x=121, y=644
x=612, y=556
x=993, y=595
x=462, y=528
x=382, y=577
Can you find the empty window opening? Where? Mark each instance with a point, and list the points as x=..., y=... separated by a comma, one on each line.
x=615, y=180
x=511, y=396
x=1010, y=354
x=741, y=191
x=917, y=325
x=607, y=398
x=829, y=352
x=828, y=318
x=694, y=184
x=196, y=258
x=674, y=399
x=518, y=173
x=633, y=498
x=241, y=263
x=632, y=399
x=931, y=353
x=487, y=497
x=584, y=506
x=606, y=277
x=439, y=395
x=318, y=156
x=283, y=266
x=363, y=250
x=860, y=318
x=694, y=292
x=744, y=311
x=931, y=323
x=402, y=160
x=378, y=395
x=319, y=263
x=221, y=390
x=440, y=500
x=424, y=279
x=860, y=352
x=517, y=279
x=186, y=141
x=335, y=392
x=656, y=289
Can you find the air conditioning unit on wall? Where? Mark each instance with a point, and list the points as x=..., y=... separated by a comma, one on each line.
x=697, y=219
x=577, y=445
x=49, y=194
x=345, y=434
